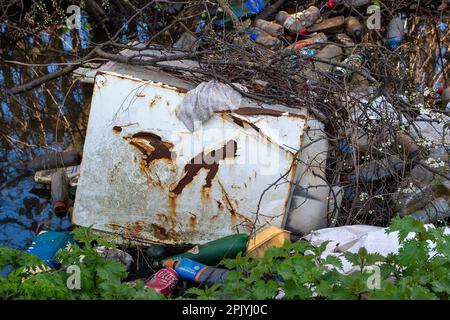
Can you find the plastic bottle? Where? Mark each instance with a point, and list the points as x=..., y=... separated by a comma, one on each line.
x=353, y=28
x=445, y=96
x=263, y=38
x=407, y=144
x=349, y=3
x=347, y=42
x=243, y=9
x=437, y=210
x=187, y=41
x=272, y=28
x=298, y=22
x=318, y=38
x=193, y=271
x=378, y=169
x=59, y=192
x=396, y=30
x=354, y=61
x=328, y=25
x=331, y=53
x=213, y=252
x=53, y=160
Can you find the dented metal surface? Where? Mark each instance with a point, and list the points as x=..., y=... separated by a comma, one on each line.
x=147, y=177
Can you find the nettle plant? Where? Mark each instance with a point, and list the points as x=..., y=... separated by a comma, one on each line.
x=100, y=278
x=420, y=270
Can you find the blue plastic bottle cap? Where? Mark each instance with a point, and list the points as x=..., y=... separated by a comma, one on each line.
x=393, y=43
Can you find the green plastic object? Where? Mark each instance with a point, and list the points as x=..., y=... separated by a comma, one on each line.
x=213, y=252
x=155, y=251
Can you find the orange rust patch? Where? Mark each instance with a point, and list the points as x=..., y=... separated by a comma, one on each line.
x=192, y=168
x=162, y=233
x=136, y=229
x=117, y=129
x=173, y=210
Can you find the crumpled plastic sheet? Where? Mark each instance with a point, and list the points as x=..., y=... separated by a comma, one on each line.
x=431, y=130
x=352, y=238
x=200, y=103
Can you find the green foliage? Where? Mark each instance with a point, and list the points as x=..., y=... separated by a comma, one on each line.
x=420, y=270
x=101, y=278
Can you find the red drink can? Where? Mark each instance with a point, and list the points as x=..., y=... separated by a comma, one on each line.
x=164, y=281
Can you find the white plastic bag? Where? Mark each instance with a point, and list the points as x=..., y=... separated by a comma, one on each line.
x=200, y=103
x=352, y=238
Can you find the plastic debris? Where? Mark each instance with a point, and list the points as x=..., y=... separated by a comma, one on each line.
x=116, y=254
x=266, y=238
x=164, y=281
x=199, y=104
x=213, y=252
x=193, y=271
x=47, y=244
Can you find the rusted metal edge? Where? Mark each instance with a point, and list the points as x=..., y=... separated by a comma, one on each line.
x=160, y=84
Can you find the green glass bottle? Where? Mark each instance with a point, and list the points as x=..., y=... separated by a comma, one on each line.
x=213, y=252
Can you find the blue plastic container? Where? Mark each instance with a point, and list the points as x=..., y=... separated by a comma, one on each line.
x=47, y=243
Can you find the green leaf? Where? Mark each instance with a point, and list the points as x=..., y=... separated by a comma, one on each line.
x=404, y=226
x=412, y=253
x=353, y=258
x=334, y=261
x=265, y=289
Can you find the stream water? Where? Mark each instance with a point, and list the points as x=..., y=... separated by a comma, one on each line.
x=50, y=117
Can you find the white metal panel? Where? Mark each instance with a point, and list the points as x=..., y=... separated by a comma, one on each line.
x=137, y=178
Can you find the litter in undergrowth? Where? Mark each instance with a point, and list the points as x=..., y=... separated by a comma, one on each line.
x=297, y=124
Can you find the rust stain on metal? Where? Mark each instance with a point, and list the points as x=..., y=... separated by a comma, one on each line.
x=193, y=221
x=114, y=172
x=161, y=233
x=136, y=228
x=151, y=146
x=154, y=101
x=238, y=121
x=132, y=229
x=117, y=129
x=192, y=168
x=251, y=111
x=227, y=200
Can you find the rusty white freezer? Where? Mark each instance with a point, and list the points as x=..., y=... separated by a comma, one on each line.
x=146, y=177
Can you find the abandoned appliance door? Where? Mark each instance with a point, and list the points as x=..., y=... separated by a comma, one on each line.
x=145, y=176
